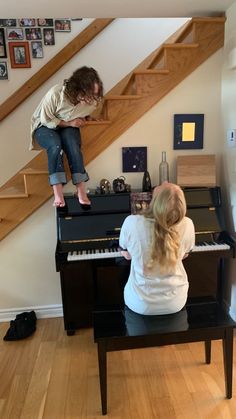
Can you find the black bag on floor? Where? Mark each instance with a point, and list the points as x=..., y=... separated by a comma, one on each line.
x=23, y=326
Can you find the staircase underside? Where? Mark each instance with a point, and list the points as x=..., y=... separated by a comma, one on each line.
x=129, y=100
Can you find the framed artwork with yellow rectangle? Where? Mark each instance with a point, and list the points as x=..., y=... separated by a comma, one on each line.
x=188, y=131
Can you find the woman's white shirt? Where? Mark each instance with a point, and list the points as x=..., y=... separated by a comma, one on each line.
x=154, y=294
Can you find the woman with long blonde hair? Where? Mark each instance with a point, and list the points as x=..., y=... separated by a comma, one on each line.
x=156, y=242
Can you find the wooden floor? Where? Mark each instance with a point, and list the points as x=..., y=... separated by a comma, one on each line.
x=52, y=375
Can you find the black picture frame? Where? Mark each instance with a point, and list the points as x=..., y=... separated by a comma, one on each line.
x=7, y=22
x=3, y=50
x=3, y=70
x=48, y=36
x=188, y=131
x=134, y=159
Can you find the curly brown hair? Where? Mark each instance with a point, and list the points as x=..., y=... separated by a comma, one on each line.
x=81, y=84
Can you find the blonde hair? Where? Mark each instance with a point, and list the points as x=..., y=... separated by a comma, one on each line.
x=166, y=210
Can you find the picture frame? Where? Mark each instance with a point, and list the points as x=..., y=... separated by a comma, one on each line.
x=7, y=22
x=3, y=70
x=19, y=54
x=45, y=22
x=37, y=49
x=188, y=131
x=62, y=25
x=15, y=34
x=33, y=34
x=48, y=36
x=140, y=201
x=25, y=21
x=3, y=50
x=134, y=159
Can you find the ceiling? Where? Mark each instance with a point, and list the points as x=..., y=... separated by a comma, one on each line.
x=113, y=8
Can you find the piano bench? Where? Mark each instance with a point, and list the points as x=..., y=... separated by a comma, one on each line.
x=123, y=329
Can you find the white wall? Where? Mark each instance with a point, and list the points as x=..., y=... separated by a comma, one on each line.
x=229, y=121
x=27, y=265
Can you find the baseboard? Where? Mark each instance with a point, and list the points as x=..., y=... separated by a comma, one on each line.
x=42, y=312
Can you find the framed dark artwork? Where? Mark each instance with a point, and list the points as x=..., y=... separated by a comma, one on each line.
x=25, y=21
x=3, y=50
x=45, y=22
x=62, y=25
x=188, y=131
x=134, y=159
x=33, y=34
x=3, y=71
x=19, y=54
x=48, y=36
x=15, y=34
x=37, y=49
x=7, y=22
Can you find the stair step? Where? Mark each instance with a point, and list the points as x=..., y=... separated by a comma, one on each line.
x=123, y=97
x=98, y=122
x=31, y=171
x=152, y=71
x=180, y=45
x=13, y=192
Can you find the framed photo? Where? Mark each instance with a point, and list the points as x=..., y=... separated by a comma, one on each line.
x=134, y=159
x=7, y=22
x=19, y=54
x=48, y=36
x=3, y=50
x=25, y=21
x=140, y=201
x=188, y=131
x=33, y=33
x=3, y=71
x=15, y=34
x=45, y=22
x=62, y=25
x=37, y=49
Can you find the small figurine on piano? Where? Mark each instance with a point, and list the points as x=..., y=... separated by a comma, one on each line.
x=157, y=241
x=55, y=127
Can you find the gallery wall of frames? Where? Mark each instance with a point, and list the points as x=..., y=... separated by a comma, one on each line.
x=23, y=40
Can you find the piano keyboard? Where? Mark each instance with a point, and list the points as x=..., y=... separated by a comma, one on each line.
x=206, y=247
x=94, y=254
x=115, y=252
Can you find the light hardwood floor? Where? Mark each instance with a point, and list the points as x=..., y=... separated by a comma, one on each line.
x=52, y=375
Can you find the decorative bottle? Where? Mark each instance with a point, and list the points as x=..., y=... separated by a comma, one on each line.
x=147, y=184
x=163, y=169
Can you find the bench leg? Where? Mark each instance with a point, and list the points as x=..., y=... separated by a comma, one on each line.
x=228, y=360
x=102, y=362
x=208, y=351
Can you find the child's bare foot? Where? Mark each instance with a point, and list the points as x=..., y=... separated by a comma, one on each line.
x=58, y=195
x=82, y=196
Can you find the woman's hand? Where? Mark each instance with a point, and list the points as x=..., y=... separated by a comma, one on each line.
x=77, y=122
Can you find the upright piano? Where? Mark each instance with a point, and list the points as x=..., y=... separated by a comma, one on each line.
x=92, y=270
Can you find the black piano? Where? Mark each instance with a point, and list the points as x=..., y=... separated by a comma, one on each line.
x=92, y=270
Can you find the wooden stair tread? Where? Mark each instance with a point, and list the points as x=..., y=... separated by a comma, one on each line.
x=152, y=71
x=180, y=45
x=31, y=171
x=102, y=122
x=13, y=192
x=124, y=97
x=217, y=19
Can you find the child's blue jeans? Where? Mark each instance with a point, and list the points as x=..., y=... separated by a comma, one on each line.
x=56, y=142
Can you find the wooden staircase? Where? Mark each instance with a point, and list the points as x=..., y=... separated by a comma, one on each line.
x=131, y=98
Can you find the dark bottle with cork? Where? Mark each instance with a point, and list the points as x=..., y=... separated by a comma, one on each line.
x=147, y=184
x=163, y=169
